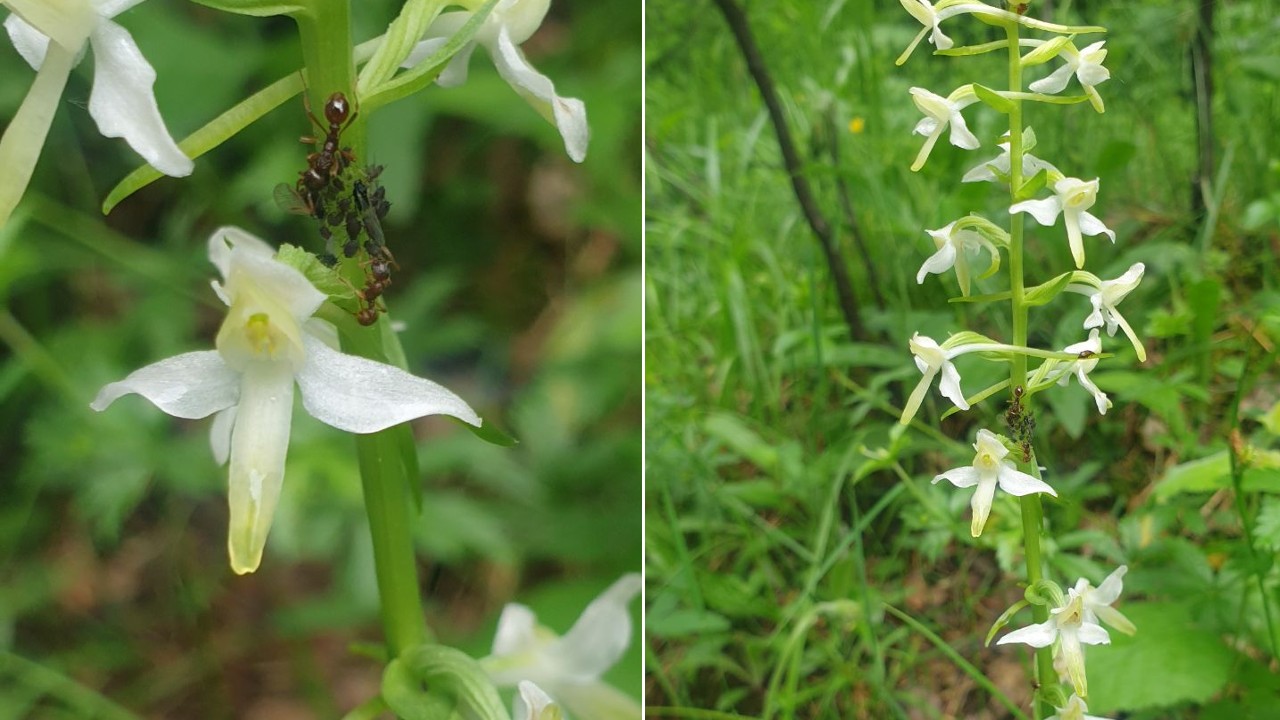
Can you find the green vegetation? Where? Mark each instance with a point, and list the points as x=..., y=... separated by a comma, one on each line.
x=800, y=564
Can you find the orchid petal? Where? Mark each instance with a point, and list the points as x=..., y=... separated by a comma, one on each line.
x=1076, y=243
x=123, y=102
x=1090, y=225
x=1115, y=619
x=1111, y=587
x=960, y=135
x=220, y=429
x=191, y=386
x=259, y=443
x=67, y=23
x=938, y=263
x=1044, y=211
x=529, y=702
x=1018, y=483
x=569, y=115
x=30, y=43
x=1055, y=82
x=602, y=633
x=363, y=396
x=1093, y=634
x=961, y=477
x=598, y=701
x=516, y=631
x=949, y=386
x=980, y=503
x=1038, y=635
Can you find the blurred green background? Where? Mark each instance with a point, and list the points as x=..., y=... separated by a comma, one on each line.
x=782, y=517
x=519, y=288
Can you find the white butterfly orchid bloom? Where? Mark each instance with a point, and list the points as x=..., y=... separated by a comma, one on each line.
x=509, y=24
x=989, y=470
x=1085, y=65
x=1105, y=295
x=569, y=667
x=1072, y=199
x=1075, y=709
x=51, y=36
x=1097, y=601
x=267, y=343
x=1069, y=628
x=953, y=248
x=992, y=170
x=1083, y=366
x=931, y=17
x=940, y=112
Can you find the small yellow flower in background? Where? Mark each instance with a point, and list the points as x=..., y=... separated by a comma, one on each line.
x=857, y=125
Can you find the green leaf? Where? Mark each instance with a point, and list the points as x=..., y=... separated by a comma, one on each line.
x=742, y=440
x=424, y=73
x=256, y=8
x=1207, y=474
x=998, y=102
x=685, y=622
x=1032, y=186
x=325, y=279
x=221, y=129
x=1044, y=292
x=989, y=297
x=402, y=34
x=1171, y=660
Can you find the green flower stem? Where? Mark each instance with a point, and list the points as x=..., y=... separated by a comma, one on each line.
x=325, y=31
x=1032, y=512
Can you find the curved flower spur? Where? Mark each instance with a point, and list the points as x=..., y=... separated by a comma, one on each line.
x=268, y=342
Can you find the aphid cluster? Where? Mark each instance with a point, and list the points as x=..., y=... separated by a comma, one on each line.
x=344, y=198
x=1022, y=423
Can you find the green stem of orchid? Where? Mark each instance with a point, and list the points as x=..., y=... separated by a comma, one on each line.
x=385, y=471
x=1032, y=512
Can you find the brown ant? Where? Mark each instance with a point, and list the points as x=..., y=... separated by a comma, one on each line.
x=324, y=166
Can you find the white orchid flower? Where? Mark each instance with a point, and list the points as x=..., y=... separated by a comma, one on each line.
x=989, y=469
x=1068, y=627
x=931, y=17
x=509, y=24
x=1085, y=65
x=1105, y=295
x=51, y=37
x=1072, y=199
x=939, y=112
x=265, y=345
x=531, y=703
x=953, y=247
x=569, y=667
x=1074, y=710
x=994, y=169
x=1097, y=601
x=1085, y=365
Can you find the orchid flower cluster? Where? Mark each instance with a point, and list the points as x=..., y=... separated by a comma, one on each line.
x=1039, y=190
x=289, y=319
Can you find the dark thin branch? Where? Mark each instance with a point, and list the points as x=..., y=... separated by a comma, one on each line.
x=737, y=21
x=1202, y=83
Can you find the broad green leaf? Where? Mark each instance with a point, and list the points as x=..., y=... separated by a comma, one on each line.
x=1042, y=98
x=1032, y=186
x=998, y=102
x=685, y=622
x=1044, y=292
x=741, y=439
x=489, y=432
x=1171, y=660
